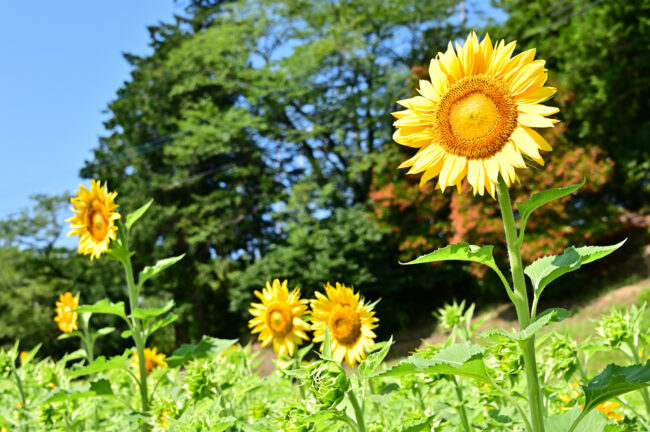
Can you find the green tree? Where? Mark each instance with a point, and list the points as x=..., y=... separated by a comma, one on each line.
x=597, y=54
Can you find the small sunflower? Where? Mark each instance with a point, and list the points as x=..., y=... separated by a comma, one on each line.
x=474, y=118
x=94, y=219
x=349, y=319
x=152, y=360
x=279, y=317
x=65, y=318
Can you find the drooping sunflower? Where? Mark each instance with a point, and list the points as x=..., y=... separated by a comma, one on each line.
x=278, y=318
x=475, y=115
x=152, y=360
x=94, y=219
x=65, y=318
x=349, y=319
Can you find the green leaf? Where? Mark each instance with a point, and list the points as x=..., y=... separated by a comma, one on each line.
x=546, y=269
x=595, y=421
x=549, y=316
x=145, y=314
x=101, y=364
x=463, y=359
x=460, y=252
x=158, y=324
x=72, y=334
x=420, y=426
x=208, y=346
x=104, y=307
x=101, y=387
x=161, y=265
x=104, y=331
x=592, y=253
x=367, y=367
x=526, y=208
x=133, y=217
x=615, y=381
x=327, y=347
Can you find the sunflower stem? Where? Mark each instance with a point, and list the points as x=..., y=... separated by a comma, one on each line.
x=521, y=306
x=461, y=405
x=137, y=333
x=358, y=411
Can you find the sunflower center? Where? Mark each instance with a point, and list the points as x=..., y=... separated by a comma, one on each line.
x=345, y=324
x=279, y=318
x=476, y=117
x=97, y=223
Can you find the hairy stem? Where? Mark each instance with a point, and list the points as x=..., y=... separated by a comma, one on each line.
x=137, y=338
x=358, y=411
x=461, y=405
x=521, y=306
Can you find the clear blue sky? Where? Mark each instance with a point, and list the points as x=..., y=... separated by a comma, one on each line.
x=61, y=64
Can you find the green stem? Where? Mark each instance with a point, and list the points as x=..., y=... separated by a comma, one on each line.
x=23, y=399
x=358, y=411
x=644, y=391
x=521, y=306
x=137, y=337
x=87, y=340
x=580, y=417
x=513, y=402
x=461, y=405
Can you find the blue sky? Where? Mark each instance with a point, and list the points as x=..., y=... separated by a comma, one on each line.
x=61, y=64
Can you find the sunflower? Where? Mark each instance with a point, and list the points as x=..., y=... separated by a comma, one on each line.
x=152, y=360
x=350, y=322
x=278, y=317
x=94, y=218
x=65, y=318
x=474, y=118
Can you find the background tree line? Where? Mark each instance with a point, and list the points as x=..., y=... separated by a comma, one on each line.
x=262, y=130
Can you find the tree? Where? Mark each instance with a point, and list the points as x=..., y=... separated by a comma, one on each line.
x=597, y=53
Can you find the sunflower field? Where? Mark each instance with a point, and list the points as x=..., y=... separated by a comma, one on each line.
x=287, y=188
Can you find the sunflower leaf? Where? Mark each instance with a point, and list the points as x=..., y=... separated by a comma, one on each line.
x=133, y=217
x=595, y=421
x=145, y=314
x=462, y=359
x=460, y=252
x=207, y=346
x=104, y=307
x=368, y=366
x=526, y=208
x=545, y=270
x=161, y=265
x=327, y=345
x=615, y=381
x=419, y=426
x=550, y=316
x=101, y=387
x=101, y=364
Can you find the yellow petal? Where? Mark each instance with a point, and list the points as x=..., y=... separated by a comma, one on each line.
x=542, y=110
x=418, y=102
x=443, y=179
x=534, y=120
x=535, y=95
x=525, y=143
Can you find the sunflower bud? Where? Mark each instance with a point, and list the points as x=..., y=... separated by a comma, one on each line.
x=328, y=383
x=615, y=329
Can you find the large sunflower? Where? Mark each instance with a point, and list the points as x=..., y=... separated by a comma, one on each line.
x=94, y=219
x=474, y=117
x=65, y=318
x=350, y=322
x=278, y=318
